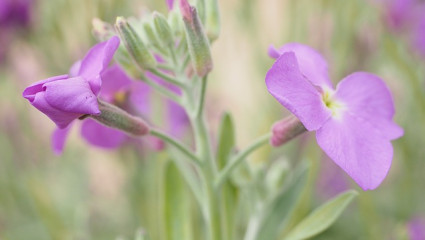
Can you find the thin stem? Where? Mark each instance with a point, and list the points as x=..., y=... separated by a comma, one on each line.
x=201, y=101
x=209, y=168
x=173, y=56
x=185, y=63
x=165, y=67
x=176, y=144
x=239, y=158
x=167, y=78
x=167, y=93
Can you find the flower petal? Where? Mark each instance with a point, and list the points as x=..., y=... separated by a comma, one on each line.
x=367, y=97
x=358, y=148
x=312, y=65
x=170, y=4
x=177, y=119
x=140, y=94
x=96, y=60
x=75, y=69
x=72, y=95
x=287, y=84
x=101, y=136
x=59, y=138
x=61, y=118
x=273, y=52
x=29, y=92
x=114, y=80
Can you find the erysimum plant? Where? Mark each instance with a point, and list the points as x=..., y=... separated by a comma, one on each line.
x=171, y=56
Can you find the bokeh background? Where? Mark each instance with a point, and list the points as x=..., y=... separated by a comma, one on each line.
x=92, y=193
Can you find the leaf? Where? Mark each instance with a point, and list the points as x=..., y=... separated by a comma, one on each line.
x=226, y=140
x=176, y=205
x=322, y=218
x=275, y=216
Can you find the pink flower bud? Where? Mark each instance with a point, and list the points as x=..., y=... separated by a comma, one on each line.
x=285, y=130
x=186, y=10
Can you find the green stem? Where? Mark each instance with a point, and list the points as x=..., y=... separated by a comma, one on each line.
x=201, y=101
x=176, y=144
x=167, y=78
x=209, y=168
x=167, y=93
x=224, y=174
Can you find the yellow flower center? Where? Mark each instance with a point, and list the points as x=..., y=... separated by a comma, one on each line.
x=336, y=107
x=120, y=97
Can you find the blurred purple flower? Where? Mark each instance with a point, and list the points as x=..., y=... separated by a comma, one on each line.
x=170, y=4
x=65, y=98
x=416, y=228
x=353, y=122
x=399, y=12
x=14, y=15
x=407, y=18
x=331, y=181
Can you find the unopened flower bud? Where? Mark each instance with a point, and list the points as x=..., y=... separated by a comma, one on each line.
x=115, y=117
x=163, y=29
x=134, y=44
x=198, y=44
x=150, y=33
x=174, y=20
x=285, y=130
x=186, y=10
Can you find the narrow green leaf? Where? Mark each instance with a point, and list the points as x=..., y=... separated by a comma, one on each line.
x=322, y=218
x=226, y=140
x=276, y=215
x=229, y=196
x=176, y=205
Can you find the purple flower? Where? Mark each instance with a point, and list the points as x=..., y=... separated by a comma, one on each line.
x=353, y=122
x=67, y=97
x=406, y=18
x=133, y=96
x=330, y=181
x=416, y=229
x=15, y=12
x=14, y=15
x=117, y=87
x=170, y=4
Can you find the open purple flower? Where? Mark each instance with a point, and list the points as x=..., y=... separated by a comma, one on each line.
x=353, y=122
x=67, y=97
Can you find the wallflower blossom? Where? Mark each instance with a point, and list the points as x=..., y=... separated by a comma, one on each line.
x=14, y=16
x=15, y=12
x=331, y=181
x=406, y=18
x=67, y=97
x=117, y=87
x=133, y=96
x=170, y=4
x=416, y=228
x=353, y=122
